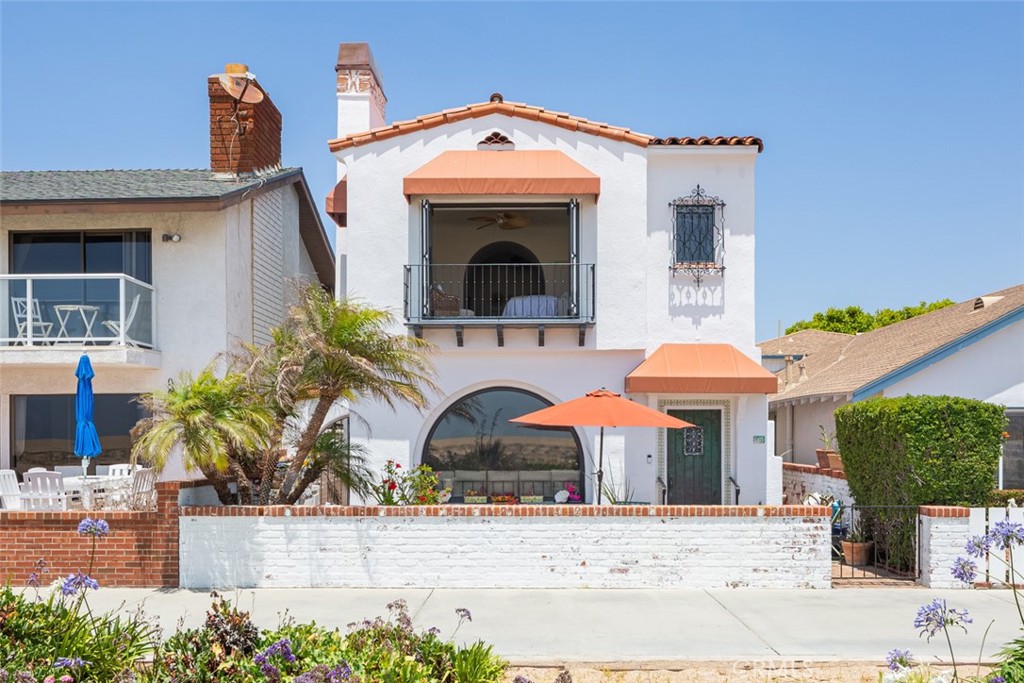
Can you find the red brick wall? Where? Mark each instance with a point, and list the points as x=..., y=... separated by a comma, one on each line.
x=256, y=146
x=141, y=550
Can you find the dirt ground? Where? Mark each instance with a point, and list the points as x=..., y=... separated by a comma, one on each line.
x=779, y=671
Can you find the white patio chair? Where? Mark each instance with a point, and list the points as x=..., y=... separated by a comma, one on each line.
x=139, y=494
x=42, y=329
x=68, y=470
x=122, y=469
x=43, y=491
x=10, y=494
x=36, y=469
x=102, y=470
x=115, y=325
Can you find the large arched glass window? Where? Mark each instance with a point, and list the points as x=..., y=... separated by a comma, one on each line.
x=479, y=453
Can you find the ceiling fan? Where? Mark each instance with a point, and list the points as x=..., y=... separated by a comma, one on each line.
x=505, y=220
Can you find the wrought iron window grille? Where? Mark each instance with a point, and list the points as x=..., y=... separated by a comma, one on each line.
x=698, y=235
x=693, y=441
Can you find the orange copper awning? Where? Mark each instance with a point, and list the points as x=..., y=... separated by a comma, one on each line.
x=700, y=369
x=482, y=172
x=337, y=203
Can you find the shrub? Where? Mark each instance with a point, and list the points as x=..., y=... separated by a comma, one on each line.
x=920, y=450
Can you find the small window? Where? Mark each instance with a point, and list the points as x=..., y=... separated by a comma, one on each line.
x=698, y=244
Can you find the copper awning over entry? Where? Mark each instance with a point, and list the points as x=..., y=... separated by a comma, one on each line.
x=477, y=172
x=700, y=369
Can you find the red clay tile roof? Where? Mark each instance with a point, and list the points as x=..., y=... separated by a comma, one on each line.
x=525, y=111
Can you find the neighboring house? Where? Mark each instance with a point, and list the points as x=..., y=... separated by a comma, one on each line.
x=150, y=272
x=974, y=349
x=546, y=255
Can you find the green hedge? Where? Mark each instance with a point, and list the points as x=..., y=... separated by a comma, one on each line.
x=1000, y=498
x=920, y=450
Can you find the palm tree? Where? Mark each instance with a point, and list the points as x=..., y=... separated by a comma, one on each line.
x=214, y=421
x=331, y=350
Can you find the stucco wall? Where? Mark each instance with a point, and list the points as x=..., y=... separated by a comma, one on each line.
x=528, y=546
x=807, y=419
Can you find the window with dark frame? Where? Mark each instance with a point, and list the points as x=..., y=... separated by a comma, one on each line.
x=698, y=235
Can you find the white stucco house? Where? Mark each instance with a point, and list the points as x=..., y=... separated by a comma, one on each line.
x=547, y=255
x=150, y=272
x=973, y=349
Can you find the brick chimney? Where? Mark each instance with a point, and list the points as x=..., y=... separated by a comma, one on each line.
x=361, y=100
x=245, y=139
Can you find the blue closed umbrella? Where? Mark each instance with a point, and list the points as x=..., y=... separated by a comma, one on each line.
x=87, y=441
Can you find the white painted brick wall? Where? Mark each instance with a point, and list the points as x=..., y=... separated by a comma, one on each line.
x=942, y=540
x=801, y=484
x=514, y=552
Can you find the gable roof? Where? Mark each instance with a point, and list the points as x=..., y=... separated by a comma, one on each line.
x=497, y=105
x=863, y=365
x=155, y=190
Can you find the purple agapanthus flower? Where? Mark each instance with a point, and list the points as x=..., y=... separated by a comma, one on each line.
x=996, y=678
x=1006, y=534
x=964, y=569
x=70, y=663
x=977, y=546
x=76, y=583
x=936, y=616
x=898, y=659
x=93, y=527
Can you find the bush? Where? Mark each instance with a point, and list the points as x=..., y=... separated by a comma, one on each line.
x=920, y=450
x=230, y=647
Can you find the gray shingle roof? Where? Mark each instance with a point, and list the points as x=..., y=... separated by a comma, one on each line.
x=842, y=367
x=129, y=185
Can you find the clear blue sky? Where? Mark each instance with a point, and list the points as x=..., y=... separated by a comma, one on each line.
x=894, y=162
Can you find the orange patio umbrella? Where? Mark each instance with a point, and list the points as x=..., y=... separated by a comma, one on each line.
x=601, y=408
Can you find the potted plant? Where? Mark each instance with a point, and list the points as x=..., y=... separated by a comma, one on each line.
x=857, y=546
x=474, y=497
x=531, y=499
x=828, y=458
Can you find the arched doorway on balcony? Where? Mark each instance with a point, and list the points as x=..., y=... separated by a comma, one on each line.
x=498, y=272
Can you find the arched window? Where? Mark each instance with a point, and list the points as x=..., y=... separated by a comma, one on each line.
x=478, y=452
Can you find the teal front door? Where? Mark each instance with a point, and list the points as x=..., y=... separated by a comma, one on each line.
x=695, y=459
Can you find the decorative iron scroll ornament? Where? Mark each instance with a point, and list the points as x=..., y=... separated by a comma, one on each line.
x=698, y=235
x=693, y=441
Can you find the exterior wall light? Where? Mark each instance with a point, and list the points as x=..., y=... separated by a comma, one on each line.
x=650, y=458
x=171, y=237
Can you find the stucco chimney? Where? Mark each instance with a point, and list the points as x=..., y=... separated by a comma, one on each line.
x=245, y=139
x=361, y=100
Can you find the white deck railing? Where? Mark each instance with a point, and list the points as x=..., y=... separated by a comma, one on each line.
x=76, y=309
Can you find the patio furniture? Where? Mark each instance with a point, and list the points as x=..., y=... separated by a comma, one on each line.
x=443, y=305
x=10, y=494
x=123, y=470
x=138, y=494
x=87, y=313
x=96, y=492
x=68, y=470
x=36, y=469
x=115, y=325
x=43, y=491
x=21, y=324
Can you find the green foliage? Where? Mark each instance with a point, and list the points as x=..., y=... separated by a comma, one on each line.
x=854, y=319
x=416, y=486
x=920, y=450
x=229, y=647
x=36, y=633
x=1011, y=661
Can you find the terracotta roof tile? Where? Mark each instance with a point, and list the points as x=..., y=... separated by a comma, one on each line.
x=529, y=112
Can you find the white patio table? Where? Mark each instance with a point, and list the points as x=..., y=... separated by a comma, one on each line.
x=86, y=488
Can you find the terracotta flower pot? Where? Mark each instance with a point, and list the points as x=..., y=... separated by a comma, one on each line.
x=857, y=554
x=835, y=461
x=822, y=458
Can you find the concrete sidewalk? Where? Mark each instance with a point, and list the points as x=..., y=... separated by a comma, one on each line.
x=563, y=626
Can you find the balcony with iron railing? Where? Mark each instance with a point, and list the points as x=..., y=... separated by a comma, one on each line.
x=499, y=295
x=55, y=315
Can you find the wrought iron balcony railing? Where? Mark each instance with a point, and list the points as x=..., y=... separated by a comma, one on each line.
x=108, y=309
x=510, y=293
